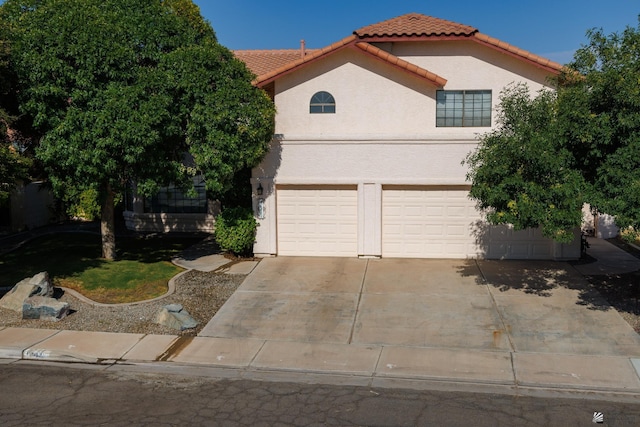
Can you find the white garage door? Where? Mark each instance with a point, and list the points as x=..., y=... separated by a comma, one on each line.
x=317, y=220
x=428, y=222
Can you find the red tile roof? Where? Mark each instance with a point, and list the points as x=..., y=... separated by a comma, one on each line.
x=269, y=65
x=264, y=79
x=415, y=24
x=517, y=52
x=263, y=61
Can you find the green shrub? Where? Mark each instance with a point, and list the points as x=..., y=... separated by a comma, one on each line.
x=236, y=230
x=83, y=204
x=630, y=235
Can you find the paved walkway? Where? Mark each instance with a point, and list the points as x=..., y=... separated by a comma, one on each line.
x=494, y=341
x=604, y=258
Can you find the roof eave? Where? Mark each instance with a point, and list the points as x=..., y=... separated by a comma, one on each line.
x=506, y=48
x=265, y=79
x=401, y=64
x=364, y=43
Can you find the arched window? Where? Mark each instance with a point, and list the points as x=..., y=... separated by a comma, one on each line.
x=322, y=102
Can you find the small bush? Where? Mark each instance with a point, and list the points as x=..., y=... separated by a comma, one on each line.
x=630, y=235
x=236, y=230
x=83, y=204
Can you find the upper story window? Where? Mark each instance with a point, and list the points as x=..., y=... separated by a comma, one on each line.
x=463, y=108
x=322, y=102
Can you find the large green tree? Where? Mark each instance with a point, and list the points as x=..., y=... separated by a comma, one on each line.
x=13, y=165
x=553, y=151
x=521, y=173
x=606, y=125
x=121, y=89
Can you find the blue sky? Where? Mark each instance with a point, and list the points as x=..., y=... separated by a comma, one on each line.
x=551, y=28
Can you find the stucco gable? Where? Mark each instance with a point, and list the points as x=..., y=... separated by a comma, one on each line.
x=406, y=28
x=406, y=66
x=353, y=43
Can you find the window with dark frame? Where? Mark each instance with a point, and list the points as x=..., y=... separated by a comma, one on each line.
x=322, y=103
x=463, y=108
x=173, y=200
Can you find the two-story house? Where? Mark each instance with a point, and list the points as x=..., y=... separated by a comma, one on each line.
x=371, y=133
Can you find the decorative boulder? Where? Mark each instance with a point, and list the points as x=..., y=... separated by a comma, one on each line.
x=176, y=317
x=39, y=285
x=45, y=308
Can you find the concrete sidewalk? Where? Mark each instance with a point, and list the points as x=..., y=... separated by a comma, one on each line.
x=309, y=333
x=522, y=373
x=604, y=258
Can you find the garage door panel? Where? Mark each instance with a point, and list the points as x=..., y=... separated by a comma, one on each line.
x=456, y=231
x=427, y=223
x=519, y=249
x=326, y=210
x=504, y=242
x=432, y=211
x=457, y=211
x=394, y=211
x=541, y=250
x=411, y=229
x=440, y=222
x=304, y=210
x=317, y=221
x=410, y=210
x=306, y=228
x=431, y=231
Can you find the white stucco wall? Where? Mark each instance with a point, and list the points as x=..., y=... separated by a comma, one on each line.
x=32, y=206
x=347, y=162
x=383, y=131
x=599, y=225
x=469, y=65
x=374, y=98
x=384, y=125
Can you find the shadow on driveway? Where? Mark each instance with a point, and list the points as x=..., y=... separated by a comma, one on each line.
x=481, y=305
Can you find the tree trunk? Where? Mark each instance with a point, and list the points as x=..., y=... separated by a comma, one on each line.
x=107, y=226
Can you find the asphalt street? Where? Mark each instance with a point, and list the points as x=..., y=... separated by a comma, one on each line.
x=37, y=394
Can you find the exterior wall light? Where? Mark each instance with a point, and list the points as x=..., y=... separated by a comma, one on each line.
x=259, y=190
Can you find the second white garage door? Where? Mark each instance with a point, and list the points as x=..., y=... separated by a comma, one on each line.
x=317, y=220
x=428, y=222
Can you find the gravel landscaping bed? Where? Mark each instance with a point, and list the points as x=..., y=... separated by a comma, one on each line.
x=200, y=293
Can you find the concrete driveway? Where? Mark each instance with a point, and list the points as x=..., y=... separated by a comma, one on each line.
x=513, y=306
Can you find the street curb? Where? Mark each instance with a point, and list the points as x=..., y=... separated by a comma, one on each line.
x=217, y=373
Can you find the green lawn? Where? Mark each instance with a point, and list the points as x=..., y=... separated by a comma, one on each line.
x=142, y=270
